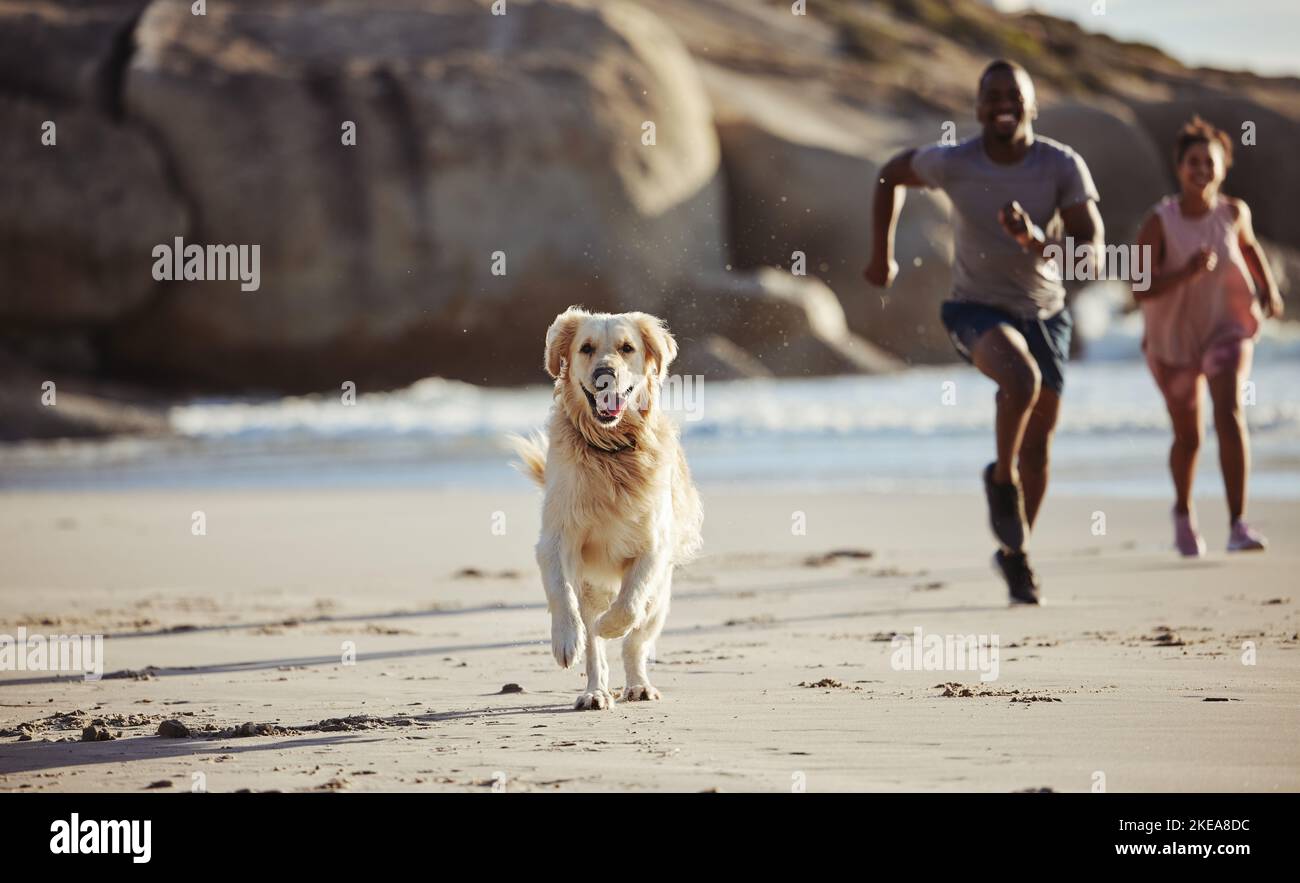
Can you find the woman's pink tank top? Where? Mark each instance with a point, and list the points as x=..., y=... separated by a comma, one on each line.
x=1185, y=321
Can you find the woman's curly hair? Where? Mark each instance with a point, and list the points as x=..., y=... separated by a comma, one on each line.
x=1198, y=131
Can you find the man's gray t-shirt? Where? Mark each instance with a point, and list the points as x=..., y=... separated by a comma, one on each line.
x=991, y=268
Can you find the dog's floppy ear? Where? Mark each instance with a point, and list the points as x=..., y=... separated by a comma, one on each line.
x=559, y=339
x=660, y=346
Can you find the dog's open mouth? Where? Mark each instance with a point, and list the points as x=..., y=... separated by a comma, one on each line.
x=608, y=405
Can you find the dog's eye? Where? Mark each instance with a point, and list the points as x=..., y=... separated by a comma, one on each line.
x=627, y=348
x=587, y=349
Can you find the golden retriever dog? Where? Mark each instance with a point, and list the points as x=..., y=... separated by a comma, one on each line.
x=619, y=511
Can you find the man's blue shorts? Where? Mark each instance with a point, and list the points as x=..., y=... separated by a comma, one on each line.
x=1048, y=339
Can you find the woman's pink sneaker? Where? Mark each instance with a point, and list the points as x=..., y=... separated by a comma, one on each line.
x=1243, y=539
x=1186, y=538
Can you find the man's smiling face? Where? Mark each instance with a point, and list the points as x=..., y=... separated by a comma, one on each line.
x=1006, y=107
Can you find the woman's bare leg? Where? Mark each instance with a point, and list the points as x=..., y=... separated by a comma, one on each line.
x=1230, y=426
x=1181, y=388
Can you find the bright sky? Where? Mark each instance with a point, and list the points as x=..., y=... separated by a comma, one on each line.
x=1256, y=35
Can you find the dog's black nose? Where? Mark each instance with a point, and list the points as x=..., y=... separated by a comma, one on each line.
x=603, y=371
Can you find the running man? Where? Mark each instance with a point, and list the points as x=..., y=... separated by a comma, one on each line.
x=1007, y=312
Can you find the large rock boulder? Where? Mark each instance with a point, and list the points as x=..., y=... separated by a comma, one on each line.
x=59, y=52
x=78, y=217
x=793, y=192
x=83, y=197
x=1125, y=163
x=785, y=325
x=519, y=135
x=30, y=407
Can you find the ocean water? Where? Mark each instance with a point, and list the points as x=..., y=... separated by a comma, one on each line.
x=922, y=430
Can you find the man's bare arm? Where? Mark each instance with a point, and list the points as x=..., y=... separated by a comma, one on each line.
x=1082, y=224
x=885, y=207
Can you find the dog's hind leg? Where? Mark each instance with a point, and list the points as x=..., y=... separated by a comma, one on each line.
x=597, y=694
x=640, y=644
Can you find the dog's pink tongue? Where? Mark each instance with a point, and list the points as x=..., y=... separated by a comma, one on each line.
x=611, y=404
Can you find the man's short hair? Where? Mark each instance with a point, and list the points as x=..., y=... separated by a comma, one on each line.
x=1002, y=64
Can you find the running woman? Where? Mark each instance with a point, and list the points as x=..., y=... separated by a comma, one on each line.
x=1210, y=289
x=1007, y=312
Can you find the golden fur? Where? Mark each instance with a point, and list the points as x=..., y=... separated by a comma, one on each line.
x=619, y=509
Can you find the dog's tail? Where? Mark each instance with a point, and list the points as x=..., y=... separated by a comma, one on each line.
x=532, y=453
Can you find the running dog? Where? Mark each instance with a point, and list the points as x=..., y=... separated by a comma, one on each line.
x=619, y=510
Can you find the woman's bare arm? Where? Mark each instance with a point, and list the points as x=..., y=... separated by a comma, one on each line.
x=1270, y=299
x=1151, y=247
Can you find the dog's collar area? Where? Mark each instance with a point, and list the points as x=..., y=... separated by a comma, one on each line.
x=615, y=450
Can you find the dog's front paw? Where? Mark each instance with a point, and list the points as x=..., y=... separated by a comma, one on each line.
x=615, y=622
x=567, y=638
x=594, y=700
x=641, y=693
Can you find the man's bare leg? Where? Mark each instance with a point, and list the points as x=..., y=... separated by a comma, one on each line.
x=1035, y=451
x=1002, y=354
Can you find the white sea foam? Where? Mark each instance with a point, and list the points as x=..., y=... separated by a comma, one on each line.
x=924, y=428
x=1102, y=397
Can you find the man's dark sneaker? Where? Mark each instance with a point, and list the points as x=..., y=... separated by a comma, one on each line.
x=1006, y=511
x=1020, y=578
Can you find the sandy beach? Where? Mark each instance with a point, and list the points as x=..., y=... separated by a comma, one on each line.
x=777, y=665
x=286, y=286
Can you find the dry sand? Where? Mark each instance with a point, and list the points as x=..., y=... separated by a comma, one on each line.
x=248, y=623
